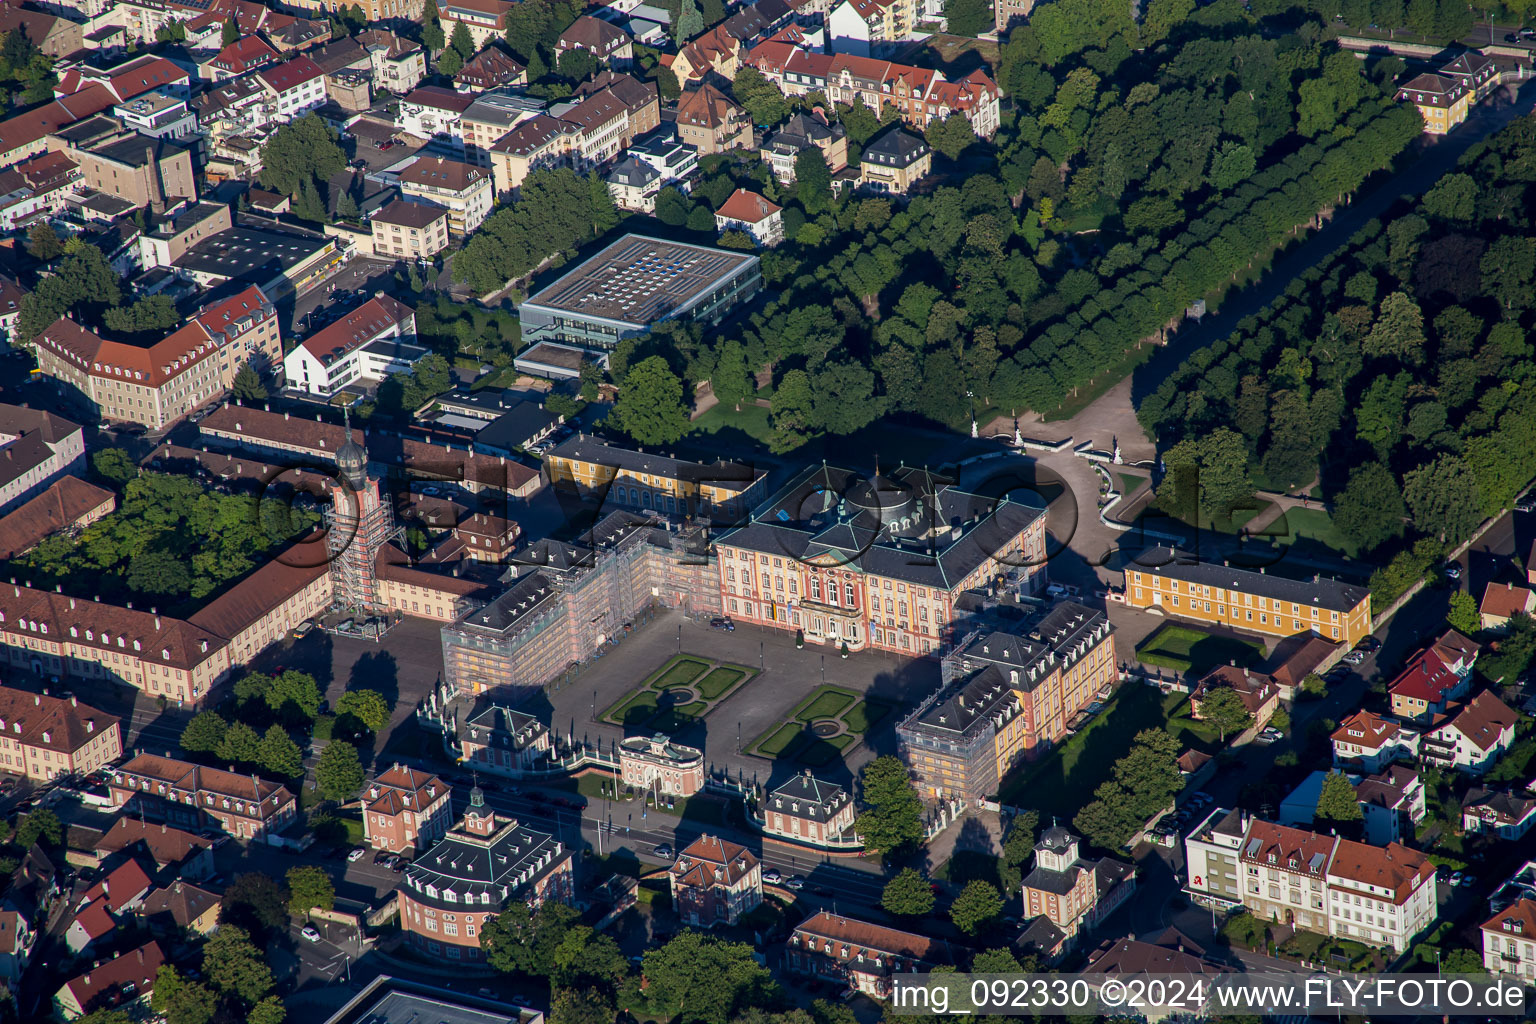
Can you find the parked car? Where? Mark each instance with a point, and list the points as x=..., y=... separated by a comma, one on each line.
x=1468, y=880
x=310, y=933
x=662, y=850
x=1452, y=571
x=1369, y=645
x=302, y=630
x=356, y=855
x=1353, y=658
x=1456, y=878
x=772, y=877
x=723, y=623
x=795, y=882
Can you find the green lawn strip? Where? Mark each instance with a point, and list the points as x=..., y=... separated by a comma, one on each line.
x=1064, y=780
x=1184, y=649
x=679, y=672
x=864, y=715
x=719, y=682
x=1189, y=731
x=780, y=739
x=825, y=702
x=752, y=421
x=635, y=707
x=1312, y=524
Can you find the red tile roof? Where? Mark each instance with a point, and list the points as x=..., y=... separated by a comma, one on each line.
x=99, y=986
x=121, y=887
x=1393, y=867
x=290, y=74
x=866, y=938
x=1519, y=918
x=52, y=723
x=66, y=501
x=274, y=582
x=158, y=639
x=1293, y=849
x=1425, y=678
x=1502, y=600
x=748, y=207
x=357, y=328
x=1483, y=720
x=1373, y=730
x=710, y=860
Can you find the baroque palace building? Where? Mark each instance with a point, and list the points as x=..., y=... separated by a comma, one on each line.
x=874, y=563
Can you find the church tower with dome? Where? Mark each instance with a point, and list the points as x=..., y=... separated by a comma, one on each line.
x=358, y=525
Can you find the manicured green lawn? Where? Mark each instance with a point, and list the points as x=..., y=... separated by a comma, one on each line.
x=679, y=672
x=1128, y=482
x=819, y=752
x=636, y=709
x=1189, y=731
x=1064, y=780
x=1185, y=649
x=780, y=740
x=1316, y=525
x=865, y=714
x=752, y=420
x=826, y=702
x=719, y=682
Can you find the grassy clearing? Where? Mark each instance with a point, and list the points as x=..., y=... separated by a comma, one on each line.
x=719, y=682
x=1189, y=731
x=819, y=752
x=680, y=671
x=825, y=702
x=865, y=714
x=779, y=740
x=1184, y=649
x=1129, y=482
x=1314, y=524
x=752, y=420
x=634, y=709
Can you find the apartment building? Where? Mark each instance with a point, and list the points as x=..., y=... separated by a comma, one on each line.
x=503, y=741
x=1369, y=742
x=622, y=477
x=584, y=133
x=182, y=793
x=1433, y=677
x=43, y=737
x=366, y=344
x=409, y=231
x=715, y=52
x=36, y=448
x=295, y=87
x=491, y=117
x=1377, y=895
x=373, y=10
x=1470, y=737
x=711, y=123
x=35, y=189
x=459, y=188
x=159, y=115
x=124, y=982
x=1509, y=941
x=802, y=132
x=1182, y=587
x=870, y=27
x=864, y=957
x=472, y=873
x=485, y=19
x=55, y=36
x=610, y=44
x=1073, y=893
x=1007, y=697
x=809, y=810
x=69, y=504
x=398, y=64
x=918, y=95
x=657, y=765
x=715, y=881
x=238, y=59
x=405, y=809
x=432, y=112
x=894, y=161
x=1500, y=812
x=159, y=383
x=148, y=172
x=1008, y=13
x=746, y=211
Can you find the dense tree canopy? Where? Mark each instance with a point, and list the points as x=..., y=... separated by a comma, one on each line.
x=555, y=211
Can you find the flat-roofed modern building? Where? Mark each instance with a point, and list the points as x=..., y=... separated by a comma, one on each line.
x=1179, y=585
x=636, y=283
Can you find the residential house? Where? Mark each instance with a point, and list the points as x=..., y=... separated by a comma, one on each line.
x=238, y=59
x=1258, y=692
x=30, y=192
x=36, y=448
x=17, y=937
x=715, y=52
x=1370, y=742
x=367, y=344
x=675, y=161
x=180, y=908
x=178, y=792
x=893, y=161
x=433, y=113
x=1433, y=677
x=460, y=188
x=159, y=383
x=607, y=42
x=124, y=982
x=471, y=874
x=715, y=881
x=658, y=765
x=1470, y=737
x=1443, y=102
x=100, y=906
x=54, y=35
x=1502, y=601
x=1509, y=941
x=43, y=737
x=1474, y=71
x=1500, y=812
x=409, y=231
x=1391, y=803
x=749, y=212
x=634, y=185
x=405, y=809
x=710, y=122
x=492, y=68
x=398, y=64
x=802, y=132
x=68, y=505
x=1072, y=892
x=1183, y=587
x=174, y=852
x=866, y=958
x=503, y=741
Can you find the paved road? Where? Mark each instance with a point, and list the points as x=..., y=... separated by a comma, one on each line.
x=1433, y=158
